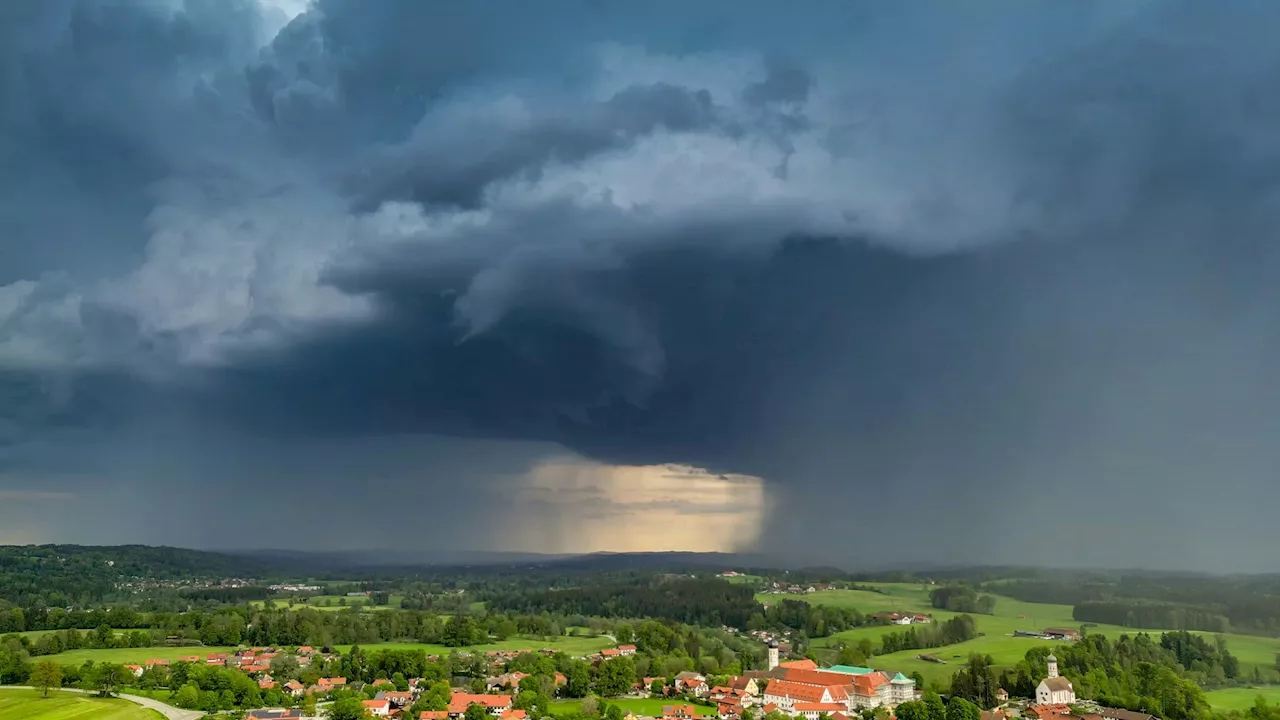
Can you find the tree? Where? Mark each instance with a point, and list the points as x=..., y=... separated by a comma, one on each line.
x=913, y=710
x=347, y=708
x=616, y=677
x=961, y=709
x=188, y=696
x=46, y=675
x=107, y=677
x=309, y=705
x=475, y=712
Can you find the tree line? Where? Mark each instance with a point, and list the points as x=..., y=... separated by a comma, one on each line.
x=685, y=600
x=1151, y=614
x=918, y=637
x=961, y=598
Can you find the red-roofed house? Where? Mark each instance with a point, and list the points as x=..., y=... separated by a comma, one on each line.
x=495, y=704
x=433, y=715
x=513, y=715
x=627, y=649
x=377, y=708
x=785, y=694
x=679, y=712
x=135, y=669
x=189, y=659
x=155, y=663
x=812, y=710
x=805, y=664
x=294, y=688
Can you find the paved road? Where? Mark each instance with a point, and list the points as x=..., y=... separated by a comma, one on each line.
x=169, y=711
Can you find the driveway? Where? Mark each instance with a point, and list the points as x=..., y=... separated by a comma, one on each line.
x=169, y=711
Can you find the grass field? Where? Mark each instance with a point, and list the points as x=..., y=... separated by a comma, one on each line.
x=569, y=645
x=997, y=630
x=648, y=707
x=28, y=705
x=1241, y=698
x=131, y=656
x=330, y=603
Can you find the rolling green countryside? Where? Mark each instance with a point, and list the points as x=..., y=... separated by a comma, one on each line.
x=28, y=705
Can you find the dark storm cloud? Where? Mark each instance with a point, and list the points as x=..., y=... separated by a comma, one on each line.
x=910, y=264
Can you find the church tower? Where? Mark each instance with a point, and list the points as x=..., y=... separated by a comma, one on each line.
x=773, y=654
x=1053, y=666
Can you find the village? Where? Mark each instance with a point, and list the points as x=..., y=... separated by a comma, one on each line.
x=797, y=688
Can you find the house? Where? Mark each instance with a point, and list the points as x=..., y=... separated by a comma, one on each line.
x=506, y=680
x=376, y=708
x=786, y=693
x=746, y=685
x=274, y=714
x=679, y=712
x=332, y=681
x=626, y=649
x=1062, y=633
x=1055, y=690
x=805, y=664
x=513, y=715
x=560, y=679
x=382, y=681
x=294, y=688
x=495, y=704
x=135, y=669
x=610, y=653
x=433, y=715
x=810, y=711
x=1047, y=712
x=267, y=683
x=1118, y=714
x=1002, y=695
x=157, y=663
x=305, y=650
x=189, y=659
x=397, y=699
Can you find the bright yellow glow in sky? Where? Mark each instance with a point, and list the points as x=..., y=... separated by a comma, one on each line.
x=578, y=506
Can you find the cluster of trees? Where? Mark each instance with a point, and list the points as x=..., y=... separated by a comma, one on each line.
x=813, y=620
x=918, y=637
x=1163, y=678
x=694, y=601
x=961, y=598
x=931, y=707
x=1151, y=614
x=1249, y=603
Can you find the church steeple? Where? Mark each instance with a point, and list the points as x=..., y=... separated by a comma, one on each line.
x=1053, y=665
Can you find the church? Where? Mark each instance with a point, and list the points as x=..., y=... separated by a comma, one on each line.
x=1055, y=690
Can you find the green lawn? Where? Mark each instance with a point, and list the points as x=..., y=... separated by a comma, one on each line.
x=28, y=705
x=131, y=656
x=997, y=630
x=566, y=644
x=648, y=707
x=330, y=603
x=1241, y=698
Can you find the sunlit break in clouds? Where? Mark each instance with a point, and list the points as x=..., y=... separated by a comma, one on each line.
x=982, y=283
x=584, y=506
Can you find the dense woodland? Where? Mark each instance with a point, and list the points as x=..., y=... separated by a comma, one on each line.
x=1184, y=602
x=687, y=600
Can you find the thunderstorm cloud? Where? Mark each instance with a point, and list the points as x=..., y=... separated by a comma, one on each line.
x=843, y=281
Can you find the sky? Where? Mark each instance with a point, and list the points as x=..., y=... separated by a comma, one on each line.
x=845, y=282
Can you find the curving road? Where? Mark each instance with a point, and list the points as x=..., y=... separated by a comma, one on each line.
x=169, y=711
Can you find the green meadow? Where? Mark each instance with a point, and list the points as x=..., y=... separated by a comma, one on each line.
x=996, y=630
x=1242, y=698
x=28, y=705
x=131, y=656
x=330, y=603
x=571, y=645
x=647, y=707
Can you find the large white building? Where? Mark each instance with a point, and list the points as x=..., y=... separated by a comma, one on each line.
x=1054, y=690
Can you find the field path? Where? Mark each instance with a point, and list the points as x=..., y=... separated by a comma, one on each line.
x=169, y=711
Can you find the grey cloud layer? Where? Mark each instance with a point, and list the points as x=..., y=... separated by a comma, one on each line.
x=1023, y=254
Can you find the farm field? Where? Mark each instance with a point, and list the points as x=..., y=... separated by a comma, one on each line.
x=131, y=656
x=650, y=707
x=28, y=705
x=330, y=603
x=1241, y=698
x=996, y=641
x=570, y=645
